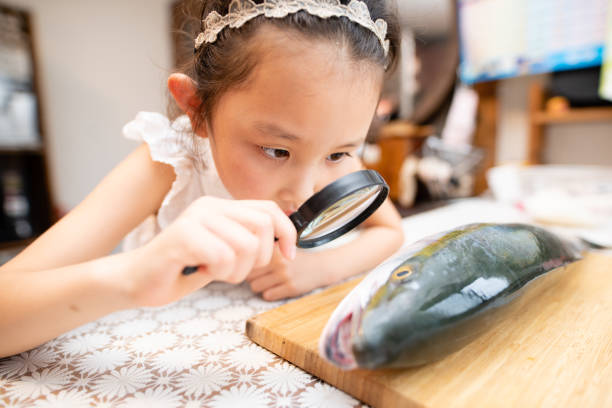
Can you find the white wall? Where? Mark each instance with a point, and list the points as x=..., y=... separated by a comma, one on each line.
x=579, y=143
x=99, y=63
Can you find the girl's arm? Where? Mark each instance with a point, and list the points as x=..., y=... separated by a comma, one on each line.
x=36, y=306
x=41, y=297
x=62, y=280
x=123, y=199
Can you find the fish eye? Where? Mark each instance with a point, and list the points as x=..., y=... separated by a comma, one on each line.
x=403, y=272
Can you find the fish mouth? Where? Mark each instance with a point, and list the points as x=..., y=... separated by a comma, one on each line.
x=339, y=347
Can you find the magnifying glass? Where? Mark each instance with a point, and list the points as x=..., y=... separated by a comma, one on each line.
x=336, y=209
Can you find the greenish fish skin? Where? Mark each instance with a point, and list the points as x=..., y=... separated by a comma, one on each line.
x=438, y=300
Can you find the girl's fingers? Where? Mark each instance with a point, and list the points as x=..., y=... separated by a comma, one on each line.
x=266, y=281
x=284, y=229
x=215, y=257
x=257, y=272
x=259, y=223
x=252, y=215
x=243, y=242
x=278, y=292
x=275, y=263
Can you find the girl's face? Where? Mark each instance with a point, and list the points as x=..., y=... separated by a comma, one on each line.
x=297, y=123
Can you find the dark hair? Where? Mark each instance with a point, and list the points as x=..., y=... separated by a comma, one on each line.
x=228, y=62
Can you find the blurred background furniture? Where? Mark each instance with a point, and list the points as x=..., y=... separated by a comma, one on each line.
x=569, y=44
x=543, y=114
x=396, y=141
x=25, y=194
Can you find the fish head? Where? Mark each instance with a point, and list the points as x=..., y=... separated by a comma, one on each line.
x=384, y=321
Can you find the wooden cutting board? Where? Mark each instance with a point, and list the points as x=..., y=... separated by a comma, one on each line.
x=553, y=348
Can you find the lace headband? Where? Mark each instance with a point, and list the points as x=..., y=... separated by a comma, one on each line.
x=242, y=11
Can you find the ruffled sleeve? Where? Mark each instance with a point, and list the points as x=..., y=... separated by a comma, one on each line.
x=172, y=143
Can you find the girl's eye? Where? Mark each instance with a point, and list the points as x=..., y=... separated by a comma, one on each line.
x=275, y=153
x=336, y=157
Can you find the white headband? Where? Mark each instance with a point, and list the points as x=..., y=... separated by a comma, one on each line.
x=242, y=11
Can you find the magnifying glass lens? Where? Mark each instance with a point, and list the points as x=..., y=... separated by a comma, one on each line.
x=341, y=213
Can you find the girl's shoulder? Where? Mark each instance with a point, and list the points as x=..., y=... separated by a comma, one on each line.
x=173, y=143
x=168, y=141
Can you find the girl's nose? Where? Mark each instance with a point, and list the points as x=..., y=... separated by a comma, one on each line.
x=298, y=189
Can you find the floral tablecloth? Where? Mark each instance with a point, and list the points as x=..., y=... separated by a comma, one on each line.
x=192, y=353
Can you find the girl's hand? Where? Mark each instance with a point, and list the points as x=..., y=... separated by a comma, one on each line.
x=283, y=278
x=227, y=238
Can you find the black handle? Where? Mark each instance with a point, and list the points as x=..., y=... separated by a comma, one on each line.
x=188, y=270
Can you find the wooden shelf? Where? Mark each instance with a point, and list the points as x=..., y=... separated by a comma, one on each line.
x=539, y=119
x=575, y=115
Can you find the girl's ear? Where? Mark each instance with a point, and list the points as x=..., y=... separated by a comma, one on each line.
x=183, y=89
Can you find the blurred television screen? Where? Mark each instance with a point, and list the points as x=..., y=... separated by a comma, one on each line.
x=507, y=38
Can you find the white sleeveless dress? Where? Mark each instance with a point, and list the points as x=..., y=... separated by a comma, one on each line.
x=172, y=143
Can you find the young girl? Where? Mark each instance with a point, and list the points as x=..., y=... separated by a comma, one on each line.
x=277, y=102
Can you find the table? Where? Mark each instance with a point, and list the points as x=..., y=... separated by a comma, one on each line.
x=192, y=353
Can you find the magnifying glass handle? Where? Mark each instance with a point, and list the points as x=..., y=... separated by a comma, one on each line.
x=188, y=270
